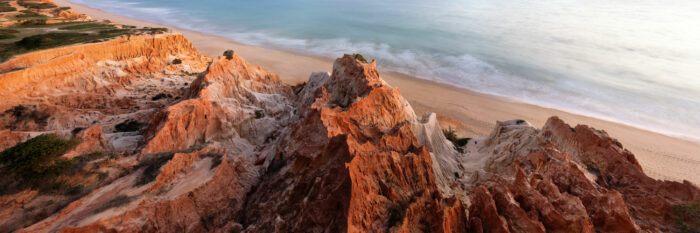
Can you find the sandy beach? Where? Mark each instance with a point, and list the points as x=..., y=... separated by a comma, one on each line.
x=661, y=156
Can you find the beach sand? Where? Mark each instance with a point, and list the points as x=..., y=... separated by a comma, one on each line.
x=661, y=156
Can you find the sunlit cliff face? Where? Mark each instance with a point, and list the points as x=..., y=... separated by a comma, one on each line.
x=634, y=62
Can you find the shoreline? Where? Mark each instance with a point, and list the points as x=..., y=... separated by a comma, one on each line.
x=661, y=156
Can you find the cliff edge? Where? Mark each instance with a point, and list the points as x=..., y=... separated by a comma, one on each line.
x=142, y=133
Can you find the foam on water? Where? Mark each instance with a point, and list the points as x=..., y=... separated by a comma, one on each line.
x=596, y=66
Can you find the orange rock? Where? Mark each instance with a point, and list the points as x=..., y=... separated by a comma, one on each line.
x=10, y=138
x=351, y=164
x=75, y=68
x=92, y=140
x=592, y=185
x=227, y=98
x=341, y=153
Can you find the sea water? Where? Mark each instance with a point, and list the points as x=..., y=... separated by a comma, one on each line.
x=630, y=61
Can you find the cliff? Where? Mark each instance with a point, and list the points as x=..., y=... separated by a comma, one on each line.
x=168, y=140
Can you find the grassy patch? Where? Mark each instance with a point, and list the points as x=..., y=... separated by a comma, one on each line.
x=151, y=164
x=459, y=143
x=82, y=160
x=7, y=33
x=161, y=96
x=35, y=4
x=595, y=165
x=27, y=14
x=42, y=24
x=57, y=39
x=5, y=30
x=48, y=40
x=35, y=162
x=361, y=58
x=34, y=22
x=119, y=200
x=688, y=216
x=87, y=26
x=22, y=113
x=5, y=7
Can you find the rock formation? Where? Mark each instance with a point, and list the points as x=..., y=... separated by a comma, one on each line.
x=220, y=145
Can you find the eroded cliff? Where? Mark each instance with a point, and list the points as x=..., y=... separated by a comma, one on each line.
x=167, y=140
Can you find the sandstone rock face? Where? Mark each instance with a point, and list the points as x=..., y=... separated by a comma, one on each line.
x=575, y=179
x=103, y=83
x=231, y=101
x=220, y=145
x=90, y=91
x=92, y=140
x=351, y=164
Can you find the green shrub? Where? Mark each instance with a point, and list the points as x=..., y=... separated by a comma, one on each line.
x=360, y=58
x=151, y=164
x=397, y=213
x=22, y=113
x=11, y=31
x=154, y=31
x=6, y=36
x=462, y=141
x=29, y=14
x=457, y=142
x=36, y=5
x=5, y=7
x=259, y=114
x=56, y=39
x=48, y=40
x=34, y=22
x=159, y=96
x=87, y=26
x=79, y=162
x=37, y=160
x=129, y=126
x=688, y=216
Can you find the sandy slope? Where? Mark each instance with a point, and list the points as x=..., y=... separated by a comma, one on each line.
x=661, y=156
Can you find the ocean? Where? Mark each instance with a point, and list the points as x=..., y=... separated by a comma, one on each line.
x=633, y=62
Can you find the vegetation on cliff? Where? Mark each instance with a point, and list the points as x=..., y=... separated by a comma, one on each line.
x=35, y=162
x=57, y=31
x=151, y=164
x=688, y=216
x=459, y=143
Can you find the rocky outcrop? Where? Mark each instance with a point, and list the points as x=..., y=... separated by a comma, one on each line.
x=220, y=145
x=92, y=140
x=231, y=101
x=127, y=79
x=90, y=67
x=575, y=179
x=351, y=156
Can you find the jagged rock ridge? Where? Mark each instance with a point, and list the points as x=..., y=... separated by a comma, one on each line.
x=345, y=152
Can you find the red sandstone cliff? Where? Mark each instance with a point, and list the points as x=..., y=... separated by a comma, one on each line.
x=233, y=149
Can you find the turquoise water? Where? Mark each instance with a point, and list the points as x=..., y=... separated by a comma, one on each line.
x=635, y=62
